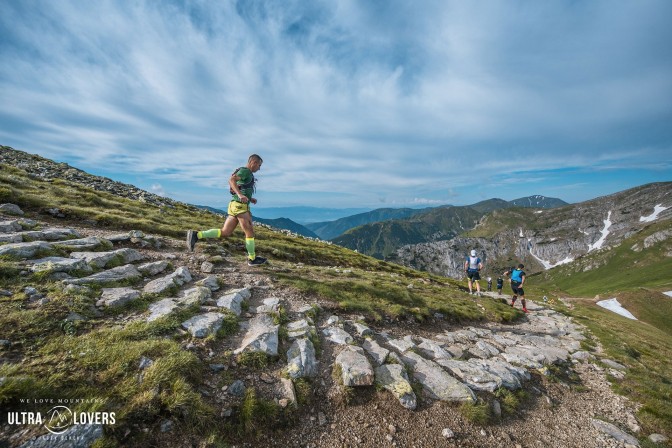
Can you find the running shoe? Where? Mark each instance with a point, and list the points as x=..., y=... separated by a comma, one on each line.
x=192, y=239
x=256, y=262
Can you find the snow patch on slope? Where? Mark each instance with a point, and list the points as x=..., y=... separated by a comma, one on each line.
x=653, y=216
x=616, y=307
x=605, y=231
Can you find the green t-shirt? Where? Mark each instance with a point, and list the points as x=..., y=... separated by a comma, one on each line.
x=245, y=183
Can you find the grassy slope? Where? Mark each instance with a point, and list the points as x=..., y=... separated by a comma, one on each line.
x=636, y=279
x=51, y=357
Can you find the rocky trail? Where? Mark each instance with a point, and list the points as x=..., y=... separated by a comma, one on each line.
x=372, y=384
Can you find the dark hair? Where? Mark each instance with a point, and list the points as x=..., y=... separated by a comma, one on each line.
x=255, y=157
x=520, y=266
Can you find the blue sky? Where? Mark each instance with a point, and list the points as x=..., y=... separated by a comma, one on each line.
x=351, y=103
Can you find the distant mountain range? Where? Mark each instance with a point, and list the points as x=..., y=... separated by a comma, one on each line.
x=545, y=238
x=278, y=223
x=304, y=215
x=382, y=239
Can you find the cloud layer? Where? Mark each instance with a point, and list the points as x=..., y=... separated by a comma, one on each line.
x=349, y=103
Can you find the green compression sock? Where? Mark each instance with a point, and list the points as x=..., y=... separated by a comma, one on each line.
x=212, y=233
x=249, y=245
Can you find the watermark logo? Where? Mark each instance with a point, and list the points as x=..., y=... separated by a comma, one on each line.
x=58, y=419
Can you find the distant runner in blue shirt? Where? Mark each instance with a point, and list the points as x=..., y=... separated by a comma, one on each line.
x=472, y=266
x=517, y=280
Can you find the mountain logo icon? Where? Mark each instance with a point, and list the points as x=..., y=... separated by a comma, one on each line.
x=59, y=419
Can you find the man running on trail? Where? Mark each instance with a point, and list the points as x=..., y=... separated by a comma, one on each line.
x=517, y=280
x=472, y=266
x=241, y=187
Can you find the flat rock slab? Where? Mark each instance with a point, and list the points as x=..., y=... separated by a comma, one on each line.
x=204, y=324
x=162, y=284
x=356, y=370
x=121, y=273
x=614, y=432
x=101, y=259
x=153, y=267
x=51, y=234
x=11, y=238
x=10, y=226
x=437, y=382
x=89, y=243
x=25, y=250
x=473, y=375
x=196, y=295
x=338, y=336
x=393, y=378
x=161, y=308
x=433, y=349
x=508, y=374
x=301, y=361
x=112, y=297
x=261, y=336
x=59, y=264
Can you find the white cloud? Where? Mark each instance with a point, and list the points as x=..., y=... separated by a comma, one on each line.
x=397, y=101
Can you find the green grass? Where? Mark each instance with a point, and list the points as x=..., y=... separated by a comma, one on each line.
x=617, y=270
x=646, y=351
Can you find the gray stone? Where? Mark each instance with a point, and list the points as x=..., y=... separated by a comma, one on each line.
x=59, y=264
x=269, y=305
x=355, y=367
x=25, y=250
x=393, y=378
x=11, y=209
x=81, y=244
x=433, y=350
x=209, y=282
x=166, y=426
x=488, y=349
x=436, y=381
x=5, y=293
x=261, y=336
x=195, y=295
x=447, y=433
x=4, y=343
x=53, y=234
x=145, y=363
x=362, y=329
x=301, y=360
x=204, y=324
x=101, y=259
x=11, y=238
x=287, y=390
x=237, y=388
x=333, y=320
x=299, y=329
x=613, y=364
x=179, y=277
x=121, y=273
x=658, y=438
x=338, y=336
x=614, y=432
x=402, y=345
x=581, y=356
x=501, y=369
x=152, y=268
x=377, y=352
x=217, y=367
x=112, y=297
x=473, y=375
x=233, y=301
x=10, y=226
x=207, y=267
x=161, y=308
